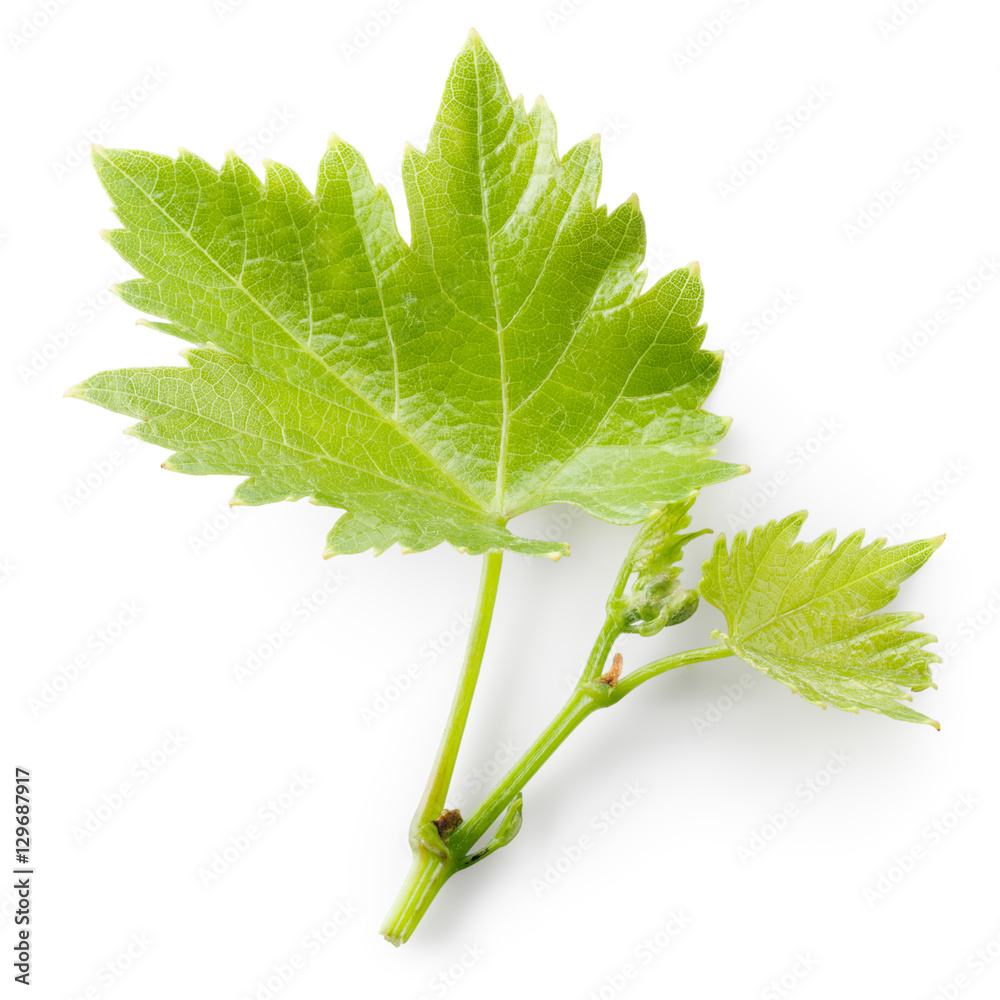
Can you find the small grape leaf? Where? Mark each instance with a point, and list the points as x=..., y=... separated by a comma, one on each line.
x=506, y=359
x=656, y=598
x=801, y=612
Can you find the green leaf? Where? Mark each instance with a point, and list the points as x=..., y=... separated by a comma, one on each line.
x=801, y=612
x=507, y=358
x=657, y=599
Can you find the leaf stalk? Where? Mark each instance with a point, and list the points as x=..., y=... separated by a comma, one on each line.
x=432, y=803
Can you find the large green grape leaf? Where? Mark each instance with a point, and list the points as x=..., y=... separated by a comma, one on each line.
x=505, y=359
x=801, y=612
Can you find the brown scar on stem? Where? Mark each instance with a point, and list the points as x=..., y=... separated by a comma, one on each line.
x=611, y=677
x=448, y=821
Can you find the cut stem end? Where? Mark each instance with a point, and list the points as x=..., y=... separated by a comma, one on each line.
x=427, y=874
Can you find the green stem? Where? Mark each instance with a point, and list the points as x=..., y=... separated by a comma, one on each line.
x=610, y=631
x=587, y=698
x=636, y=677
x=436, y=858
x=576, y=709
x=428, y=872
x=433, y=863
x=433, y=801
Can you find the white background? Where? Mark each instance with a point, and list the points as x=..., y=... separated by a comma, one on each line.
x=823, y=413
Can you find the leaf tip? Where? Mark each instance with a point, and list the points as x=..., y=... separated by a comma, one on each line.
x=694, y=269
x=77, y=391
x=474, y=38
x=98, y=152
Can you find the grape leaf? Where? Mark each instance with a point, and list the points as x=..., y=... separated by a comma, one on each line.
x=801, y=612
x=505, y=359
x=656, y=598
